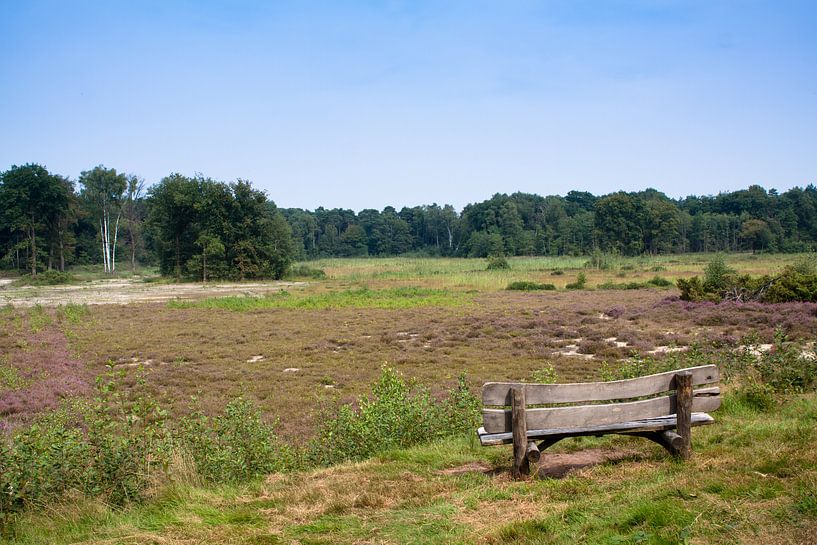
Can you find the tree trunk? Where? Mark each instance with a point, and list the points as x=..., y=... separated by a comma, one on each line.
x=33, y=250
x=113, y=249
x=62, y=253
x=178, y=259
x=204, y=266
x=132, y=237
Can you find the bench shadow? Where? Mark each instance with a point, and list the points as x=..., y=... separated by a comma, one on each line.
x=560, y=465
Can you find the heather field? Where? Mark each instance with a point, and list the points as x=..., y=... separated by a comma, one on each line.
x=298, y=354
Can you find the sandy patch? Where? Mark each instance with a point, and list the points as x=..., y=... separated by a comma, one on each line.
x=124, y=291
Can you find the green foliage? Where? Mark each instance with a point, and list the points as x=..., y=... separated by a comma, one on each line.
x=524, y=285
x=545, y=375
x=45, y=278
x=104, y=448
x=397, y=414
x=305, y=271
x=692, y=289
x=655, y=282
x=600, y=260
x=231, y=229
x=498, y=263
x=792, y=285
x=235, y=446
x=757, y=395
x=72, y=313
x=579, y=284
x=717, y=275
x=660, y=281
x=393, y=298
x=557, y=272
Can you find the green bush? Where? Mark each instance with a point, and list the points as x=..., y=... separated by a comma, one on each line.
x=305, y=271
x=45, y=278
x=397, y=414
x=717, y=275
x=545, y=375
x=579, y=284
x=234, y=446
x=523, y=285
x=659, y=281
x=104, y=448
x=498, y=263
x=792, y=285
x=557, y=272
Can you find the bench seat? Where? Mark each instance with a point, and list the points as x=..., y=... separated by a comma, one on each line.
x=662, y=408
x=635, y=427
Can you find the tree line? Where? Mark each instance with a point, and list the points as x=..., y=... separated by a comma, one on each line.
x=196, y=227
x=191, y=227
x=578, y=223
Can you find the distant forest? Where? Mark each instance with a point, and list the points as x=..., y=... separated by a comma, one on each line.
x=198, y=227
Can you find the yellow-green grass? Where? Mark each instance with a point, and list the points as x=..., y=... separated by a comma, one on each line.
x=752, y=479
x=465, y=273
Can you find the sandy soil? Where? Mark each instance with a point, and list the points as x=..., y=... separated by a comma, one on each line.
x=124, y=291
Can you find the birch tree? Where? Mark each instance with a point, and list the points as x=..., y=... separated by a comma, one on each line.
x=103, y=189
x=134, y=214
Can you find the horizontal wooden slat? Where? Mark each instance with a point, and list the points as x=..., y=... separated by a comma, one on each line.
x=499, y=420
x=498, y=393
x=652, y=424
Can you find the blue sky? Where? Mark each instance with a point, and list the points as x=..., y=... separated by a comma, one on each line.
x=368, y=104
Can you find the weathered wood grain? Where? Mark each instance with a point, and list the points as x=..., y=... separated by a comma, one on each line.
x=550, y=436
x=520, y=433
x=684, y=403
x=498, y=393
x=499, y=420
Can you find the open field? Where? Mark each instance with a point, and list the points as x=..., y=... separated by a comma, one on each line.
x=323, y=342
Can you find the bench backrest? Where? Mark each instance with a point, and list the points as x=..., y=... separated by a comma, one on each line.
x=498, y=394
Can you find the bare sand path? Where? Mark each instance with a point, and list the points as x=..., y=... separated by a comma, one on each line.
x=124, y=291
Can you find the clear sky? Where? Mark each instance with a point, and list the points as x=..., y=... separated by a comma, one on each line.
x=362, y=104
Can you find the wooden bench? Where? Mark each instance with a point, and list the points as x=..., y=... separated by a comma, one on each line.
x=649, y=407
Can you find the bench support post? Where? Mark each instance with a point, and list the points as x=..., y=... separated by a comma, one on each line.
x=521, y=465
x=683, y=410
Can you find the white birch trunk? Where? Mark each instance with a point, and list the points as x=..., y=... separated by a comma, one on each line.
x=113, y=249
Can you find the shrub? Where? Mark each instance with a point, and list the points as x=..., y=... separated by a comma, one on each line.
x=557, y=272
x=792, y=285
x=45, y=278
x=545, y=375
x=623, y=286
x=397, y=414
x=659, y=281
x=599, y=260
x=305, y=271
x=529, y=286
x=103, y=448
x=234, y=446
x=498, y=263
x=717, y=275
x=579, y=284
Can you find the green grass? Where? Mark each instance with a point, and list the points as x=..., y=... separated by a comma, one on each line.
x=472, y=274
x=752, y=479
x=392, y=298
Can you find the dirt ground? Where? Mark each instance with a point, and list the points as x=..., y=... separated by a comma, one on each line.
x=124, y=291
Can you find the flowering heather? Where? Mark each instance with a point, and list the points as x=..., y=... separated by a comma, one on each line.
x=48, y=374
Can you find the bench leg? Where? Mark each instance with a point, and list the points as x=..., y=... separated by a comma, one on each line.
x=667, y=439
x=549, y=442
x=521, y=465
